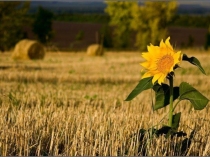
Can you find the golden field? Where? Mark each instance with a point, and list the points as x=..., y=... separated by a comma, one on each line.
x=71, y=104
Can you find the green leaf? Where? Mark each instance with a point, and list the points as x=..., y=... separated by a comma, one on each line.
x=187, y=92
x=162, y=95
x=176, y=120
x=143, y=84
x=171, y=131
x=194, y=61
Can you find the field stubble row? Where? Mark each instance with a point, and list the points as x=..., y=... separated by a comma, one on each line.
x=72, y=104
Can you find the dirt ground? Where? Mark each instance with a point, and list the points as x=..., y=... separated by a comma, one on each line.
x=65, y=34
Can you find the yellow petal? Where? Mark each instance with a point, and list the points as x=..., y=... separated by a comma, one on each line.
x=180, y=55
x=149, y=48
x=156, y=52
x=168, y=43
x=162, y=44
x=156, y=77
x=177, y=57
x=161, y=79
x=147, y=74
x=146, y=55
x=145, y=64
x=172, y=68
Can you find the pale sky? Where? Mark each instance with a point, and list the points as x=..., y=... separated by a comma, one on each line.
x=180, y=1
x=200, y=2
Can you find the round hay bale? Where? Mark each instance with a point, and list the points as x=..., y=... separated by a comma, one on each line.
x=28, y=49
x=95, y=50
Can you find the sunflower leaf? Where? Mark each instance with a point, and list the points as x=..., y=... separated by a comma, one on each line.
x=176, y=120
x=194, y=61
x=187, y=92
x=162, y=95
x=175, y=125
x=143, y=84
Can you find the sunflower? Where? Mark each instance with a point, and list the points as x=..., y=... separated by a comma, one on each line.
x=160, y=61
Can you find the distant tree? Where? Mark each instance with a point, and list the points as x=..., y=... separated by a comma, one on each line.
x=191, y=20
x=12, y=20
x=106, y=36
x=150, y=21
x=42, y=25
x=120, y=17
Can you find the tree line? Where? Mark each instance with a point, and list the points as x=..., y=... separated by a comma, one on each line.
x=14, y=17
x=122, y=19
x=150, y=22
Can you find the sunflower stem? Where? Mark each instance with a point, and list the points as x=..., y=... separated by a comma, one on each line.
x=171, y=101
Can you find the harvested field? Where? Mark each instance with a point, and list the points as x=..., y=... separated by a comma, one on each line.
x=72, y=104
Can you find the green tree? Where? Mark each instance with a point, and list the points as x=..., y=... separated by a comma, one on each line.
x=120, y=17
x=12, y=20
x=42, y=25
x=106, y=36
x=150, y=21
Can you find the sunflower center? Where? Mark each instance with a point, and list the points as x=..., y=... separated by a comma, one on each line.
x=164, y=64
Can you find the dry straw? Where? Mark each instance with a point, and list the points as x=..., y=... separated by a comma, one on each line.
x=28, y=49
x=95, y=50
x=82, y=112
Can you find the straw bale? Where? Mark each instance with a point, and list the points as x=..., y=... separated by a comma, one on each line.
x=95, y=50
x=28, y=49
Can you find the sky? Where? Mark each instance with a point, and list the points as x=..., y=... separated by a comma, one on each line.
x=200, y=2
x=181, y=1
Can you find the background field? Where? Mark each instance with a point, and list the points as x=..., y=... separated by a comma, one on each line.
x=72, y=104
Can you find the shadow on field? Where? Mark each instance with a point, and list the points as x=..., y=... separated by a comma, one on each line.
x=176, y=144
x=25, y=67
